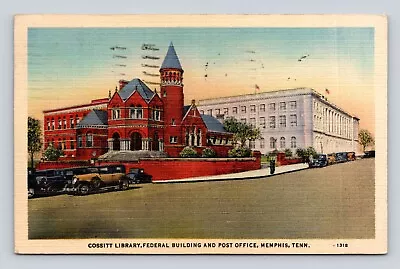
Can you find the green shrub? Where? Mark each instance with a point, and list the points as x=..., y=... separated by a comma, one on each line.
x=239, y=152
x=208, y=153
x=288, y=153
x=188, y=152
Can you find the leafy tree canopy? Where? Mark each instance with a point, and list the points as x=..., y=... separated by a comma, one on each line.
x=241, y=131
x=52, y=154
x=365, y=139
x=34, y=140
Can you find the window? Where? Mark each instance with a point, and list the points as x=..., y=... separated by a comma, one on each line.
x=79, y=141
x=252, y=144
x=217, y=111
x=157, y=114
x=63, y=146
x=59, y=123
x=226, y=111
x=173, y=139
x=209, y=112
x=234, y=110
x=52, y=124
x=282, y=121
x=72, y=144
x=48, y=125
x=202, y=112
x=243, y=109
x=115, y=114
x=252, y=108
x=272, y=123
x=72, y=123
x=173, y=122
x=64, y=123
x=272, y=143
x=243, y=120
x=282, y=143
x=282, y=106
x=262, y=143
x=293, y=104
x=293, y=120
x=272, y=107
x=77, y=121
x=262, y=122
x=252, y=122
x=262, y=108
x=293, y=142
x=89, y=140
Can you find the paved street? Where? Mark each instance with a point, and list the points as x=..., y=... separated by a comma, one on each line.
x=331, y=202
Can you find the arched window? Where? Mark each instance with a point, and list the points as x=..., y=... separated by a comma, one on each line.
x=89, y=140
x=282, y=143
x=198, y=142
x=272, y=143
x=293, y=142
x=262, y=143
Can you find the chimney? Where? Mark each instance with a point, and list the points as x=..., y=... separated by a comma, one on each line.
x=193, y=102
x=122, y=83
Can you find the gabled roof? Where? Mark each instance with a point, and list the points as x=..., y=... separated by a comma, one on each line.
x=186, y=109
x=171, y=60
x=136, y=85
x=213, y=124
x=95, y=117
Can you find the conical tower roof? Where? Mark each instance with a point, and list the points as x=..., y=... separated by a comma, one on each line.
x=171, y=60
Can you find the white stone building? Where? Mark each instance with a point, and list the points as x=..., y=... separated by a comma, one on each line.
x=291, y=118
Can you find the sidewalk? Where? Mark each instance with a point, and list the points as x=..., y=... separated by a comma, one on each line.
x=263, y=172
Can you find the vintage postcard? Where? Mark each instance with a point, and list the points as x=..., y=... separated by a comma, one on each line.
x=200, y=134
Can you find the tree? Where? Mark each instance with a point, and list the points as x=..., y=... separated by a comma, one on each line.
x=34, y=141
x=288, y=153
x=52, y=154
x=365, y=138
x=241, y=131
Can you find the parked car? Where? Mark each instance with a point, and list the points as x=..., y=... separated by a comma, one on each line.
x=32, y=184
x=331, y=158
x=369, y=154
x=69, y=174
x=351, y=156
x=110, y=176
x=137, y=175
x=50, y=181
x=341, y=157
x=320, y=161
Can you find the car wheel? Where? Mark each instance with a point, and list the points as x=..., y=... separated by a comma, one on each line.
x=31, y=192
x=96, y=182
x=124, y=185
x=83, y=189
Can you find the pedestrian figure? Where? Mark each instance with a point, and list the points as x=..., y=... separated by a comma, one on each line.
x=272, y=166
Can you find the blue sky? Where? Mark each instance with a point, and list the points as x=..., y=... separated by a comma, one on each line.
x=73, y=65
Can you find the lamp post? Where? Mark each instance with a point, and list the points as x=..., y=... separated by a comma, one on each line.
x=94, y=153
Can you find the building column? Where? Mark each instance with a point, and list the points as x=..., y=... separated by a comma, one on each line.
x=110, y=144
x=160, y=145
x=145, y=144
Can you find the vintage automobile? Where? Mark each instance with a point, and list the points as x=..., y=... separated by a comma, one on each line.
x=341, y=157
x=50, y=181
x=110, y=176
x=351, y=156
x=369, y=154
x=320, y=161
x=331, y=158
x=137, y=176
x=32, y=184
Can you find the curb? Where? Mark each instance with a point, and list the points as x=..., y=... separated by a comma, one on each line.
x=222, y=179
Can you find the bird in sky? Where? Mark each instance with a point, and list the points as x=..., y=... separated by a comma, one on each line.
x=303, y=57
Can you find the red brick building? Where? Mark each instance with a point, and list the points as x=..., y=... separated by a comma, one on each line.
x=136, y=118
